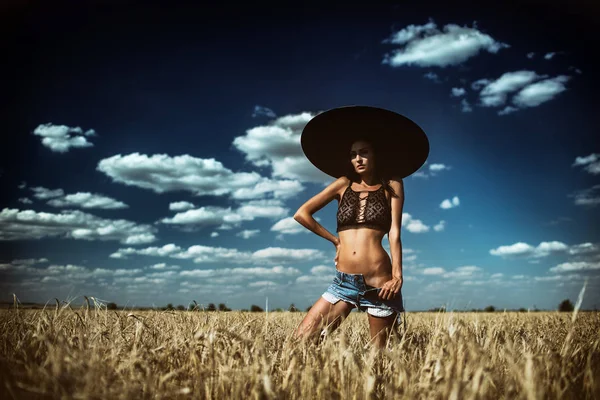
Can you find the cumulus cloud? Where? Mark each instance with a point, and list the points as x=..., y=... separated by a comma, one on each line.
x=466, y=271
x=42, y=193
x=288, y=226
x=465, y=106
x=212, y=215
x=25, y=200
x=433, y=271
x=540, y=92
x=87, y=200
x=250, y=272
x=413, y=225
x=528, y=89
x=530, y=55
x=590, y=163
x=426, y=45
x=587, y=197
x=494, y=93
x=263, y=111
x=447, y=203
x=277, y=145
x=214, y=234
x=440, y=226
x=61, y=138
x=180, y=206
x=432, y=76
x=206, y=254
x=28, y=224
x=432, y=170
x=248, y=233
x=457, y=92
x=319, y=275
x=204, y=177
x=576, y=266
x=521, y=249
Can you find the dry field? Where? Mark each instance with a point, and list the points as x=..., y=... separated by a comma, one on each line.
x=73, y=353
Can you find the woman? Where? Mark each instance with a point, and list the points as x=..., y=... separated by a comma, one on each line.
x=369, y=150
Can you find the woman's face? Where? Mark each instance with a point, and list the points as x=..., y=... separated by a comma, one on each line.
x=362, y=157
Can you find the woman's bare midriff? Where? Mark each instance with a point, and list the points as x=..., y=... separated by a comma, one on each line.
x=361, y=252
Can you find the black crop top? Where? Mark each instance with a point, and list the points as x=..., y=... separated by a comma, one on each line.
x=371, y=211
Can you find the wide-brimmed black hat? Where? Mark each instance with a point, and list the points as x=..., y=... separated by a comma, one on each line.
x=401, y=146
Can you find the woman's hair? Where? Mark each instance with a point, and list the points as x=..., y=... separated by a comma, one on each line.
x=355, y=177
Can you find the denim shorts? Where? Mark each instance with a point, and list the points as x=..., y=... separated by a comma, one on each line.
x=352, y=289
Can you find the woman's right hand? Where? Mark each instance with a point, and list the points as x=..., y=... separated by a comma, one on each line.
x=337, y=251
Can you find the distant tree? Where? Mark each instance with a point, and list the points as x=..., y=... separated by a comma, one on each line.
x=169, y=306
x=522, y=309
x=244, y=310
x=111, y=306
x=223, y=307
x=292, y=308
x=181, y=307
x=438, y=309
x=566, y=306
x=308, y=308
x=191, y=307
x=255, y=308
x=489, y=309
x=211, y=307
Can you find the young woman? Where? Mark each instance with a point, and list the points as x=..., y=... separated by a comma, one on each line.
x=369, y=150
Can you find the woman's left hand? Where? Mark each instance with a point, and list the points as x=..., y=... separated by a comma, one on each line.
x=390, y=289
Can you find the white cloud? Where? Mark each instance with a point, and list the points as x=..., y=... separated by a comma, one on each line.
x=250, y=272
x=61, y=138
x=208, y=254
x=576, y=266
x=413, y=225
x=496, y=276
x=549, y=56
x=587, y=197
x=162, y=173
x=447, y=203
x=248, y=233
x=433, y=271
x=425, y=45
x=163, y=267
x=22, y=185
x=319, y=275
x=438, y=167
x=530, y=55
x=507, y=110
x=457, y=92
x=465, y=106
x=25, y=200
x=432, y=76
x=180, y=206
x=42, y=193
x=540, y=92
x=590, y=163
x=87, y=200
x=288, y=226
x=214, y=234
x=277, y=145
x=440, y=226
x=494, y=93
x=212, y=215
x=584, y=248
x=28, y=224
x=466, y=271
x=263, y=111
x=521, y=249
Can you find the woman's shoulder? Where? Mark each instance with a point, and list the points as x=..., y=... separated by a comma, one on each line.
x=396, y=183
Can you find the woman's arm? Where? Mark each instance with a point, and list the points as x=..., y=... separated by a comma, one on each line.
x=304, y=215
x=391, y=288
x=394, y=233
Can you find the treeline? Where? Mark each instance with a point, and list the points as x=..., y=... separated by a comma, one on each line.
x=564, y=306
x=210, y=307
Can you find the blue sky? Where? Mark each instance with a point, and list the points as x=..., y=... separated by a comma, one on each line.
x=154, y=153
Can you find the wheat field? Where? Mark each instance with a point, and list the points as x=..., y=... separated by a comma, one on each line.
x=81, y=353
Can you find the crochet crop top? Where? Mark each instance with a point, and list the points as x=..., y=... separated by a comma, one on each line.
x=370, y=211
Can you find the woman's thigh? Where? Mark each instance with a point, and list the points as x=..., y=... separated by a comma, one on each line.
x=324, y=314
x=381, y=327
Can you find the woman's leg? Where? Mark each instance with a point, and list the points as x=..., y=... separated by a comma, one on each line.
x=381, y=328
x=321, y=315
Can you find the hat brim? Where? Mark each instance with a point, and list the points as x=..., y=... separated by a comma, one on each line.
x=401, y=145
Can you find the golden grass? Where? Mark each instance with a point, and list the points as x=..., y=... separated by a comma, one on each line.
x=99, y=354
